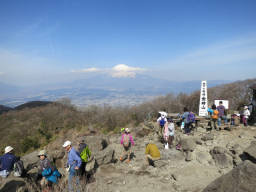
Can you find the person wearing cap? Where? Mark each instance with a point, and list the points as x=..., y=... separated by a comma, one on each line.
x=74, y=163
x=127, y=142
x=7, y=161
x=152, y=153
x=162, y=120
x=85, y=155
x=48, y=172
x=246, y=115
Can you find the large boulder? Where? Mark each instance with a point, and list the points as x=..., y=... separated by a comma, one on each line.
x=97, y=143
x=11, y=184
x=105, y=156
x=188, y=144
x=221, y=157
x=207, y=137
x=240, y=179
x=250, y=152
x=30, y=160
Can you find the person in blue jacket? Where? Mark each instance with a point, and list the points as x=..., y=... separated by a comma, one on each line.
x=74, y=163
x=7, y=162
x=49, y=172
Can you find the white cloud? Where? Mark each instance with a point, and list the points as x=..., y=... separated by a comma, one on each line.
x=87, y=70
x=1, y=73
x=118, y=71
x=122, y=70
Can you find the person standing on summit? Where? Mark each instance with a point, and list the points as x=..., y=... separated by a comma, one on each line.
x=74, y=163
x=222, y=112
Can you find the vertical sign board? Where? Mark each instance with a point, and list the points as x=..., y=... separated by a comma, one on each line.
x=203, y=106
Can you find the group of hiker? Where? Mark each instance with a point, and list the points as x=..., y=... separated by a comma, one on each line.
x=48, y=174
x=219, y=114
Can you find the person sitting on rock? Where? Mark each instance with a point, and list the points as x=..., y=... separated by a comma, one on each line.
x=7, y=162
x=73, y=164
x=152, y=153
x=47, y=171
x=127, y=142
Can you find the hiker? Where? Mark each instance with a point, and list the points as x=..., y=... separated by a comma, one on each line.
x=73, y=164
x=222, y=112
x=166, y=136
x=162, y=120
x=214, y=117
x=152, y=153
x=246, y=115
x=171, y=130
x=127, y=142
x=47, y=171
x=7, y=162
x=185, y=118
x=85, y=155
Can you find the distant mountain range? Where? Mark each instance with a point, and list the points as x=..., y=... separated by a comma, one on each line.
x=100, y=90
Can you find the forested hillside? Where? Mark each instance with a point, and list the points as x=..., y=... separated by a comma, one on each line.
x=27, y=129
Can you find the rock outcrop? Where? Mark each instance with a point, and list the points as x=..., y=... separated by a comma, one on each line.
x=240, y=179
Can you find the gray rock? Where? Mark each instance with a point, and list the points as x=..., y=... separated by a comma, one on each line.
x=105, y=156
x=188, y=144
x=203, y=157
x=240, y=179
x=30, y=160
x=221, y=157
x=208, y=137
x=97, y=143
x=188, y=156
x=159, y=163
x=90, y=166
x=11, y=184
x=250, y=152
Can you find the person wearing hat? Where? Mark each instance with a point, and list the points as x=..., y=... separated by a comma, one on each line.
x=47, y=171
x=246, y=115
x=7, y=161
x=85, y=155
x=127, y=142
x=74, y=163
x=152, y=153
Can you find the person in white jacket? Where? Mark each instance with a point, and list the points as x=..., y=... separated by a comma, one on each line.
x=246, y=115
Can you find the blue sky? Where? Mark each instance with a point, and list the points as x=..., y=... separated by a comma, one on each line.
x=181, y=40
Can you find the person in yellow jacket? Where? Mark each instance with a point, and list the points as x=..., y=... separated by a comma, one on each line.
x=152, y=153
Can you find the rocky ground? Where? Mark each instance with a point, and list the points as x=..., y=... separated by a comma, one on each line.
x=208, y=161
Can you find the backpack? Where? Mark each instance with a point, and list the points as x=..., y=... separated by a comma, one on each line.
x=162, y=122
x=126, y=141
x=18, y=168
x=191, y=117
x=215, y=114
x=85, y=154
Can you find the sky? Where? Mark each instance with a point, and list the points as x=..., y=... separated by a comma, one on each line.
x=46, y=41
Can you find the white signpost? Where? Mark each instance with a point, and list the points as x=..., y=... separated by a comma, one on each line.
x=203, y=106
